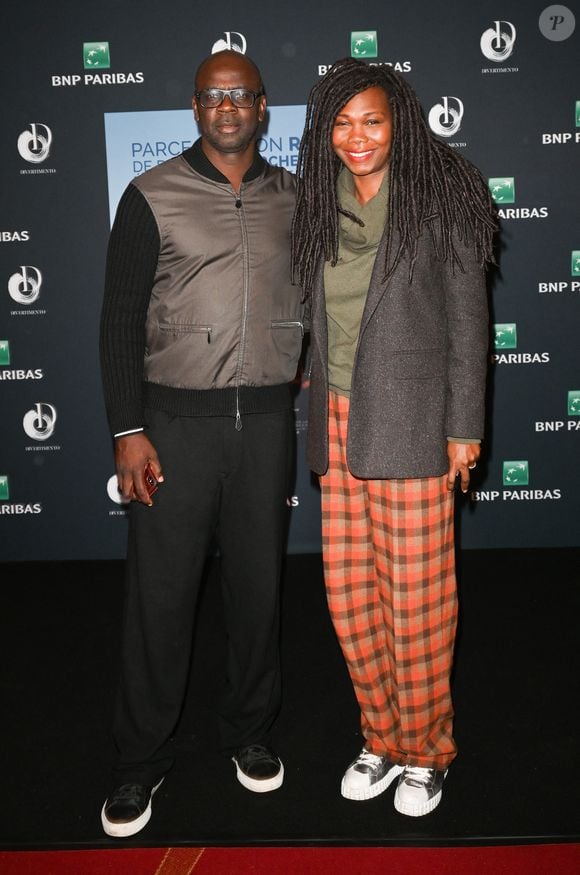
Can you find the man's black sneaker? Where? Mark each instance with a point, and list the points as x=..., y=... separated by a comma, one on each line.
x=258, y=768
x=128, y=809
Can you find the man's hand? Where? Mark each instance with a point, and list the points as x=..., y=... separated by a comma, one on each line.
x=462, y=459
x=132, y=453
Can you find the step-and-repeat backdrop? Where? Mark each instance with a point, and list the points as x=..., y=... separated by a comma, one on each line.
x=95, y=94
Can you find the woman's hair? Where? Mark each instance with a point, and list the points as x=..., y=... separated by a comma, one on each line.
x=428, y=179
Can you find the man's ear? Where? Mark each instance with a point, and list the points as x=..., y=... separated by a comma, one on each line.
x=195, y=109
x=262, y=109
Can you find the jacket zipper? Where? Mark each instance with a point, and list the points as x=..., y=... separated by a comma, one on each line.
x=290, y=324
x=239, y=207
x=187, y=329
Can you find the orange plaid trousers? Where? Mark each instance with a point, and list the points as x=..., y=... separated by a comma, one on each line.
x=389, y=567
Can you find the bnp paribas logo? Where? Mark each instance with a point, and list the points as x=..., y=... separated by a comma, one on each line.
x=364, y=44
x=4, y=488
x=505, y=335
x=574, y=402
x=96, y=55
x=503, y=189
x=4, y=352
x=575, y=265
x=516, y=473
x=578, y=113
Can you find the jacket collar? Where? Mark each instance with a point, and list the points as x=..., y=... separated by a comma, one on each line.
x=198, y=160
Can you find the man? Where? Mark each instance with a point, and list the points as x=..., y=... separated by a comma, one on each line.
x=200, y=337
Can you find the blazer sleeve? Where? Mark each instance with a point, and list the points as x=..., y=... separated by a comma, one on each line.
x=468, y=342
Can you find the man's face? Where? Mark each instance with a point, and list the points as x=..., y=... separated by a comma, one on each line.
x=227, y=128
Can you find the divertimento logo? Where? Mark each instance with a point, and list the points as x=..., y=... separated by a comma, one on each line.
x=24, y=287
x=39, y=422
x=497, y=43
x=34, y=144
x=445, y=117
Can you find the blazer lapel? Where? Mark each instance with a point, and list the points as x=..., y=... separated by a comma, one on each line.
x=377, y=288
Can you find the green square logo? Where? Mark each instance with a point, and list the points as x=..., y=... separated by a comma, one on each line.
x=505, y=335
x=575, y=265
x=516, y=474
x=578, y=113
x=574, y=402
x=4, y=352
x=4, y=490
x=363, y=44
x=503, y=189
x=96, y=55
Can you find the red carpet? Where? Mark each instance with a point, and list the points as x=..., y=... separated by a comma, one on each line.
x=562, y=859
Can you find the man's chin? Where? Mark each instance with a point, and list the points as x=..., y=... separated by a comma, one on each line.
x=230, y=142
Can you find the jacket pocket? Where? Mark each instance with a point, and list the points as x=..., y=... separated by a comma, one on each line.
x=179, y=329
x=288, y=323
x=287, y=337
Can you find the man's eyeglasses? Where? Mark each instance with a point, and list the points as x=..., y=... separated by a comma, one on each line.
x=210, y=98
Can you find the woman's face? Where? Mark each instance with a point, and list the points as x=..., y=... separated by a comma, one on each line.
x=362, y=133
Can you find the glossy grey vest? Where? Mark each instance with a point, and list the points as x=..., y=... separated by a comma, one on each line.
x=223, y=312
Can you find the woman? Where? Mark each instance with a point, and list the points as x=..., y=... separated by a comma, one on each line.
x=391, y=237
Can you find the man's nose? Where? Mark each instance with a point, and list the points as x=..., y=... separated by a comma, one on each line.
x=226, y=105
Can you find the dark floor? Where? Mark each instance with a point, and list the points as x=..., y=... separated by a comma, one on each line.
x=516, y=697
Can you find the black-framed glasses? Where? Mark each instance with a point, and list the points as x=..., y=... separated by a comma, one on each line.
x=210, y=98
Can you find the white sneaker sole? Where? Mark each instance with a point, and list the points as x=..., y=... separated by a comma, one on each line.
x=373, y=790
x=257, y=785
x=122, y=830
x=417, y=809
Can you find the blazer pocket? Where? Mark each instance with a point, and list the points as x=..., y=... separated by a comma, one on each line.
x=421, y=364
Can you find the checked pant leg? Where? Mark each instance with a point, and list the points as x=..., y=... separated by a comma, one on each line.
x=353, y=596
x=412, y=525
x=389, y=569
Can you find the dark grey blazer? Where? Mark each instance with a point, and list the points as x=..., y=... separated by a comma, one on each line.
x=420, y=367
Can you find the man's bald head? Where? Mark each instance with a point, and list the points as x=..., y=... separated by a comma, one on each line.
x=233, y=61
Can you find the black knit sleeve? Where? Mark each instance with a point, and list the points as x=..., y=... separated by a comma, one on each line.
x=131, y=264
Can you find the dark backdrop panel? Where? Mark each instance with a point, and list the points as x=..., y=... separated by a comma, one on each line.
x=519, y=122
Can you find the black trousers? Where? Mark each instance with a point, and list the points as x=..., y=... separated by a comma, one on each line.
x=218, y=482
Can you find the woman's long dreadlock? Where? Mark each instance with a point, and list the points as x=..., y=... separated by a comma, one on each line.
x=428, y=179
